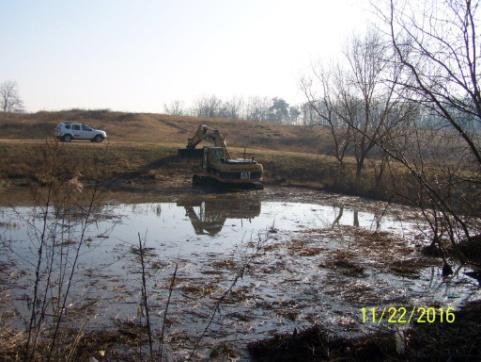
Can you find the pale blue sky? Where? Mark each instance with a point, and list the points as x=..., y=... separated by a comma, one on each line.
x=138, y=55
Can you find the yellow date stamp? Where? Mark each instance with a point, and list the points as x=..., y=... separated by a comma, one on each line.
x=407, y=315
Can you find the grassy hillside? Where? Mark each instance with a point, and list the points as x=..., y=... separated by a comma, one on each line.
x=152, y=128
x=141, y=148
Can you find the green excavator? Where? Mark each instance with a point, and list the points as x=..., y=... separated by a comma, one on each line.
x=216, y=166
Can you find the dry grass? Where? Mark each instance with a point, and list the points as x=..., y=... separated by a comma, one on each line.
x=153, y=128
x=196, y=290
x=22, y=160
x=301, y=248
x=143, y=162
x=140, y=147
x=118, y=343
x=10, y=340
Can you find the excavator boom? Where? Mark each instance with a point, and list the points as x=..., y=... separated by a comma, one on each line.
x=208, y=134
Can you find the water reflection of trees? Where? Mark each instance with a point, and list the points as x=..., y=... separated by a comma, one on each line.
x=339, y=213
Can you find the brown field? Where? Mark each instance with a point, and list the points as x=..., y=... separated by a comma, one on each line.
x=140, y=150
x=161, y=128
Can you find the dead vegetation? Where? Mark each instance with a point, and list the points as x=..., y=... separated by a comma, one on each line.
x=342, y=261
x=224, y=264
x=301, y=248
x=197, y=290
x=409, y=268
x=120, y=343
x=383, y=250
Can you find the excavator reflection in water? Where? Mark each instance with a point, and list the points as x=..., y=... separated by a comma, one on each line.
x=208, y=215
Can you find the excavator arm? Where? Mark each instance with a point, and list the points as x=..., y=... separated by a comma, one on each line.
x=206, y=133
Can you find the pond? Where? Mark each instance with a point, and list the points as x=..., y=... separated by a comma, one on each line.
x=265, y=262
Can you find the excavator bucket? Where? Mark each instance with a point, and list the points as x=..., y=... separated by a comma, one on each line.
x=190, y=152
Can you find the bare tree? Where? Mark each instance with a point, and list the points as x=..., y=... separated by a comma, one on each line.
x=233, y=107
x=359, y=101
x=257, y=108
x=230, y=109
x=321, y=107
x=208, y=107
x=370, y=96
x=438, y=46
x=309, y=116
x=175, y=108
x=10, y=100
x=294, y=114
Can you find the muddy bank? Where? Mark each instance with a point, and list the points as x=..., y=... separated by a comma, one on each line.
x=422, y=342
x=149, y=166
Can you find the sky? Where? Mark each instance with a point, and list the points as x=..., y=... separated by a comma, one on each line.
x=139, y=55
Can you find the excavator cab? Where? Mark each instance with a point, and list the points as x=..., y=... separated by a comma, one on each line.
x=212, y=155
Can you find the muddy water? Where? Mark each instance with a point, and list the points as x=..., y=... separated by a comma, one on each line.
x=306, y=258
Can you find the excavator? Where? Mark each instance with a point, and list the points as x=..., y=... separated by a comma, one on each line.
x=217, y=167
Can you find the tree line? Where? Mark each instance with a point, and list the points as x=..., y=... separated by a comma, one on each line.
x=253, y=108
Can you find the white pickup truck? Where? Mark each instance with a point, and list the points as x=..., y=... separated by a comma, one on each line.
x=68, y=131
